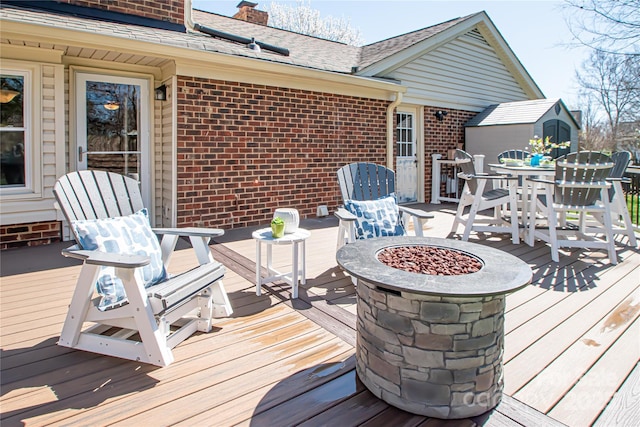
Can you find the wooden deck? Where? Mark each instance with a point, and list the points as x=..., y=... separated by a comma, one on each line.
x=571, y=347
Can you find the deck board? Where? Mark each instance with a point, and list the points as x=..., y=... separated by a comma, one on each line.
x=624, y=408
x=281, y=362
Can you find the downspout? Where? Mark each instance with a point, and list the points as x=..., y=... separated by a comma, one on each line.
x=390, y=131
x=188, y=15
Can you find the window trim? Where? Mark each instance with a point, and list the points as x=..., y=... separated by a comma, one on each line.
x=31, y=117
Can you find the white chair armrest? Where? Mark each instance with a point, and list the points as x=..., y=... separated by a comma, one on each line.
x=344, y=215
x=416, y=212
x=190, y=231
x=107, y=259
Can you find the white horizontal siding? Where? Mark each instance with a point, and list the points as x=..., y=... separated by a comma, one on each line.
x=39, y=206
x=466, y=73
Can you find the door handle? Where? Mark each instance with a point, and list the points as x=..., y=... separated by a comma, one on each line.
x=80, y=152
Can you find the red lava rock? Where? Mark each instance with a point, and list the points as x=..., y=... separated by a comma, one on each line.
x=429, y=260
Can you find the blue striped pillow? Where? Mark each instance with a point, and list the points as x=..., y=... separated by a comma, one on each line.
x=130, y=234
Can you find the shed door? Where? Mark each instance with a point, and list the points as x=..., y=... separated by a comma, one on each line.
x=406, y=162
x=557, y=131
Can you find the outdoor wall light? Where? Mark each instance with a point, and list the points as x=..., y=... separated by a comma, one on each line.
x=161, y=93
x=440, y=115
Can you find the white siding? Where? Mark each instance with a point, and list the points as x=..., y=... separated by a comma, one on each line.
x=48, y=141
x=464, y=74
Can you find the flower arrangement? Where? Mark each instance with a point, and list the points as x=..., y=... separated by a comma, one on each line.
x=539, y=146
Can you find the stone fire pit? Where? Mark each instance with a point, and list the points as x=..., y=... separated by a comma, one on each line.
x=431, y=344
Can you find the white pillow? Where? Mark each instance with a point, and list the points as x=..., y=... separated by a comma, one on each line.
x=130, y=234
x=376, y=218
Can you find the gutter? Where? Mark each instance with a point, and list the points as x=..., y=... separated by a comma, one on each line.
x=390, y=111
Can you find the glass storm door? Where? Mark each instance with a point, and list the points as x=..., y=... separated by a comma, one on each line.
x=113, y=127
x=406, y=162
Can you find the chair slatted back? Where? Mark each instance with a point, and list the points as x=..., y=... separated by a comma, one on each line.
x=513, y=154
x=464, y=161
x=580, y=177
x=365, y=181
x=93, y=194
x=621, y=160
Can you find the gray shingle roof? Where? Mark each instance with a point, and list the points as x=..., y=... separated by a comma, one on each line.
x=305, y=51
x=378, y=51
x=511, y=113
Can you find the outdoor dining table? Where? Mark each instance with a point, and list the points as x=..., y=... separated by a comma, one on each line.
x=526, y=172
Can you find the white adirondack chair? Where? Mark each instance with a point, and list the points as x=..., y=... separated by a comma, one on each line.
x=370, y=182
x=152, y=320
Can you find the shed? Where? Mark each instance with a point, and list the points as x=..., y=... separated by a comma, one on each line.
x=511, y=125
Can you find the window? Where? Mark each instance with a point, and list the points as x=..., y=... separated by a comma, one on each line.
x=15, y=144
x=404, y=135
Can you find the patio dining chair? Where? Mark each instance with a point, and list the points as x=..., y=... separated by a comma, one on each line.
x=479, y=194
x=370, y=207
x=139, y=312
x=620, y=218
x=513, y=154
x=579, y=187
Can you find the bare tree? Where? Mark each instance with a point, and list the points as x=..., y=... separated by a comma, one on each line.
x=606, y=25
x=593, y=135
x=612, y=82
x=303, y=19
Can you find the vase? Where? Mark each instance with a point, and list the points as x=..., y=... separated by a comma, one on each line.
x=535, y=159
x=290, y=217
x=277, y=230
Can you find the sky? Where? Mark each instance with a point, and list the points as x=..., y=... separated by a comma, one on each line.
x=536, y=31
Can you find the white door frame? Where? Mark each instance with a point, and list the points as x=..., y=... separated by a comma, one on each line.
x=418, y=146
x=144, y=125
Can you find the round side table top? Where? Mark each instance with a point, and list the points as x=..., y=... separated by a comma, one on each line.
x=264, y=234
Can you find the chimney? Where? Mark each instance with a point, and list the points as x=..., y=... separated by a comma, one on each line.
x=247, y=12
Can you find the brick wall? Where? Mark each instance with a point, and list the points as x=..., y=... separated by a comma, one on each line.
x=33, y=234
x=164, y=10
x=441, y=136
x=244, y=150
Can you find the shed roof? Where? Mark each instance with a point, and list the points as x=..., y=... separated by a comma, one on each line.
x=519, y=112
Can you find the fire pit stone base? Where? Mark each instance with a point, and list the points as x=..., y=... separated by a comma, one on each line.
x=458, y=338
x=432, y=344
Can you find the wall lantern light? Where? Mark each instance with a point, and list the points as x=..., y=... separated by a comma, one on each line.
x=161, y=93
x=440, y=115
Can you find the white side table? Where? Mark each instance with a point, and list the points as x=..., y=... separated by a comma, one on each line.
x=298, y=262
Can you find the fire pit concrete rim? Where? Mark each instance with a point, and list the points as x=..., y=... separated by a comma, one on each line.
x=501, y=272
